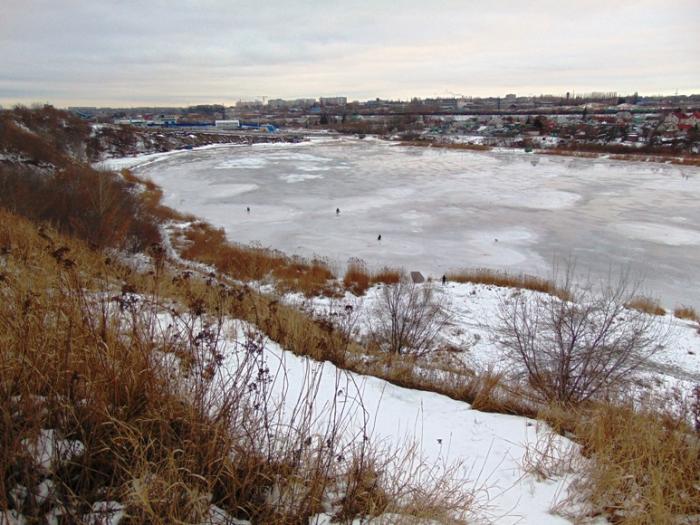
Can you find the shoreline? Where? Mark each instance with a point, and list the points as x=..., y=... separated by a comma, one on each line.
x=140, y=159
x=336, y=258
x=693, y=160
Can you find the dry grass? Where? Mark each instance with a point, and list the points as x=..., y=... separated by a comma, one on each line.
x=645, y=468
x=639, y=466
x=80, y=201
x=387, y=276
x=686, y=312
x=73, y=331
x=486, y=392
x=310, y=278
x=151, y=196
x=94, y=360
x=504, y=279
x=53, y=183
x=647, y=305
x=358, y=279
x=203, y=243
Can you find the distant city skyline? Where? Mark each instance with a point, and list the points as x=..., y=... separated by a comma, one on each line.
x=178, y=53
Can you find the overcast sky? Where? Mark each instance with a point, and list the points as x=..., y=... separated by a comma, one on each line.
x=125, y=53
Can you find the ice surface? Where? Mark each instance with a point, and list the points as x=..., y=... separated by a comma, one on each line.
x=440, y=210
x=660, y=233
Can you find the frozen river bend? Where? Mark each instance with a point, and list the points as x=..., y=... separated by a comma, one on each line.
x=440, y=210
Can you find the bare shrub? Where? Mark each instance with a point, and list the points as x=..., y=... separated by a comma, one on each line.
x=573, y=351
x=407, y=318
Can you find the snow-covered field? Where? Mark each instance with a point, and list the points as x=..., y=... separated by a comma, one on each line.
x=489, y=447
x=472, y=331
x=440, y=210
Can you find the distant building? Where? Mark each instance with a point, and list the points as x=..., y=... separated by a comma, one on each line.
x=131, y=121
x=304, y=102
x=83, y=109
x=333, y=101
x=164, y=120
x=278, y=103
x=249, y=104
x=227, y=124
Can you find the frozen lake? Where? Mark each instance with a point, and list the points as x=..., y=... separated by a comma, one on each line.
x=440, y=210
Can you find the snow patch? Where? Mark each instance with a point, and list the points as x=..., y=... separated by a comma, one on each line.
x=50, y=451
x=445, y=431
x=298, y=177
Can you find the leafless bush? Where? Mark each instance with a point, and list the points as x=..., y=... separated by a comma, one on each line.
x=572, y=351
x=407, y=318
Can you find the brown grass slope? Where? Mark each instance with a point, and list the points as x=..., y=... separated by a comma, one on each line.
x=82, y=355
x=48, y=180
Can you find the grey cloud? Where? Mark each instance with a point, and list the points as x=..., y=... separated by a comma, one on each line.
x=128, y=51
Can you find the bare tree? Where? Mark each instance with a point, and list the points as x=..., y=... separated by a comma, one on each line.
x=572, y=351
x=407, y=317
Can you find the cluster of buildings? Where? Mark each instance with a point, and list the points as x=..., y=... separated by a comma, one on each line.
x=296, y=105
x=510, y=103
x=678, y=130
x=594, y=118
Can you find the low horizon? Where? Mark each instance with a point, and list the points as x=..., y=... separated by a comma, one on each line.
x=213, y=102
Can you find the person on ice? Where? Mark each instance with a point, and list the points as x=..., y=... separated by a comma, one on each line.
x=379, y=237
x=337, y=211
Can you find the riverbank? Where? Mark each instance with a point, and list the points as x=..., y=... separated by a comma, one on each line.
x=670, y=158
